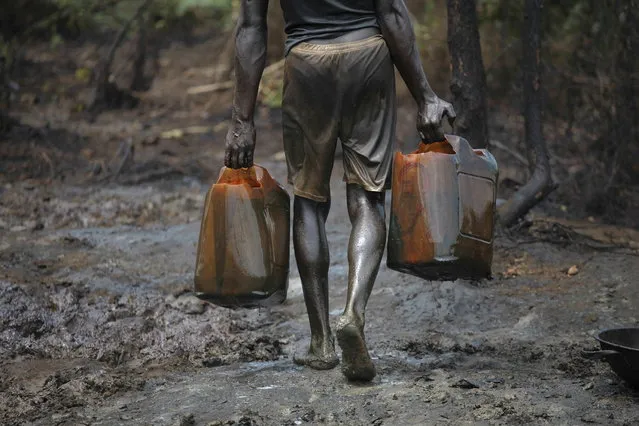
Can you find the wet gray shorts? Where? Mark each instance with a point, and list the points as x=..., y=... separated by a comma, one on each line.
x=345, y=92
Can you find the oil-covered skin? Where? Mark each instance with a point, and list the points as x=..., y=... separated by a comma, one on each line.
x=442, y=213
x=366, y=209
x=397, y=29
x=243, y=249
x=312, y=256
x=365, y=250
x=250, y=60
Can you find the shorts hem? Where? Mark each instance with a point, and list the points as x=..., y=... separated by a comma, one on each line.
x=304, y=194
x=380, y=188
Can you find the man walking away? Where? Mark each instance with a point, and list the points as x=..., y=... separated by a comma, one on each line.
x=338, y=85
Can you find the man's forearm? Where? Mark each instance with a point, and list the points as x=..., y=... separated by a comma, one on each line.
x=250, y=58
x=400, y=38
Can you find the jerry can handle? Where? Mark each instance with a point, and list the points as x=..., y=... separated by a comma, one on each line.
x=460, y=145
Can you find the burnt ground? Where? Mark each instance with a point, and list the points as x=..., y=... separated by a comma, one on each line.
x=98, y=325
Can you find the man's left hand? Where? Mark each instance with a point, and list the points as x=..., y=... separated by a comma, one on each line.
x=240, y=144
x=429, y=118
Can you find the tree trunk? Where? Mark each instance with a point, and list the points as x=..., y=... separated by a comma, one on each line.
x=226, y=58
x=140, y=82
x=276, y=34
x=540, y=184
x=106, y=93
x=468, y=83
x=627, y=89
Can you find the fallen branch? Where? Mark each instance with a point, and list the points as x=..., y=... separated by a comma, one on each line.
x=192, y=130
x=528, y=196
x=225, y=85
x=207, y=88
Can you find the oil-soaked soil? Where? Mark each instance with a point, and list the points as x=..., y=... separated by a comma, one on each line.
x=98, y=324
x=99, y=327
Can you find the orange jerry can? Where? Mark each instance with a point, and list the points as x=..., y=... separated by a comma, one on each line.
x=443, y=211
x=243, y=249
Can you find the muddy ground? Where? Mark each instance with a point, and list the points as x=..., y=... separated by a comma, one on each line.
x=98, y=324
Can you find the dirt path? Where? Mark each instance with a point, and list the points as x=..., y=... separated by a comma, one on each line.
x=98, y=327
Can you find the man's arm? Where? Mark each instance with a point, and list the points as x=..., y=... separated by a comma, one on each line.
x=398, y=31
x=250, y=59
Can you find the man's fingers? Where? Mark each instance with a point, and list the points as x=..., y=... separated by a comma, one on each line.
x=246, y=157
x=235, y=159
x=430, y=121
x=431, y=133
x=227, y=157
x=238, y=157
x=435, y=133
x=438, y=134
x=450, y=113
x=426, y=134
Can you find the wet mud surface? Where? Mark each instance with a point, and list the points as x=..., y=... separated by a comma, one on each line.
x=99, y=326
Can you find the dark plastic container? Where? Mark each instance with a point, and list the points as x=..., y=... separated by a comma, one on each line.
x=443, y=211
x=243, y=249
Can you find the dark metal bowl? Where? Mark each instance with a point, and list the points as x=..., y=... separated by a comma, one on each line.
x=620, y=348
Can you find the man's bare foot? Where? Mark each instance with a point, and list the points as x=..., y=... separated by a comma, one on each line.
x=356, y=362
x=322, y=358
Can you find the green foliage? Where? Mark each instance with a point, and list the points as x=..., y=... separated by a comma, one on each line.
x=173, y=11
x=76, y=13
x=271, y=95
x=183, y=6
x=60, y=19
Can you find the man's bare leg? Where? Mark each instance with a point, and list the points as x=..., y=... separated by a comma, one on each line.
x=365, y=250
x=311, y=253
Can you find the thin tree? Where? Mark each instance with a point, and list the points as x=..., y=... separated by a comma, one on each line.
x=468, y=84
x=139, y=82
x=540, y=183
x=624, y=129
x=106, y=94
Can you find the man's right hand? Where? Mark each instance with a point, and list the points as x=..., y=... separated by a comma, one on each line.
x=240, y=144
x=429, y=118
